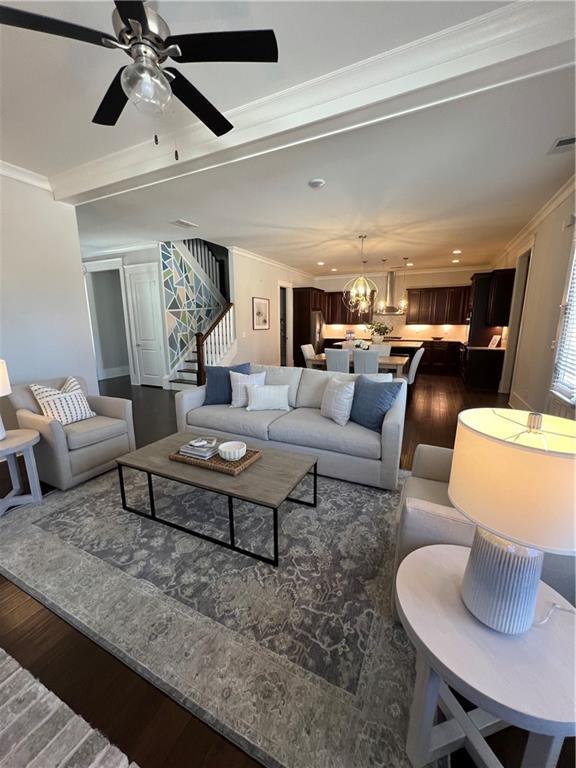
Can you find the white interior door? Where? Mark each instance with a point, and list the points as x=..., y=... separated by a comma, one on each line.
x=147, y=335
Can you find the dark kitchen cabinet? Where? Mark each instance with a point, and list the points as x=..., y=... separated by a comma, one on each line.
x=413, y=311
x=337, y=313
x=481, y=367
x=438, y=306
x=500, y=297
x=440, y=357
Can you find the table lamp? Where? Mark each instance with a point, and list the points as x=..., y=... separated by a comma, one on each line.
x=5, y=389
x=513, y=474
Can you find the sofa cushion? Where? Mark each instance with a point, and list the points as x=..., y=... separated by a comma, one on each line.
x=218, y=386
x=280, y=374
x=94, y=430
x=66, y=405
x=22, y=397
x=270, y=397
x=372, y=401
x=237, y=421
x=313, y=383
x=337, y=401
x=307, y=426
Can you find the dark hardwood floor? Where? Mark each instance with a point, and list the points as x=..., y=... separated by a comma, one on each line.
x=146, y=724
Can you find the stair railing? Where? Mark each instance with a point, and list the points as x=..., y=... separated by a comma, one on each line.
x=214, y=342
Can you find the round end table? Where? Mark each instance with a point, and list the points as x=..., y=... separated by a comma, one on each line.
x=20, y=441
x=523, y=680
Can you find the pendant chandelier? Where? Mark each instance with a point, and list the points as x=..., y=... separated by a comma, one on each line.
x=403, y=303
x=360, y=292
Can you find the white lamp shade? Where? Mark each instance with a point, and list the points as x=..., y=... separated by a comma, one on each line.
x=517, y=483
x=5, y=387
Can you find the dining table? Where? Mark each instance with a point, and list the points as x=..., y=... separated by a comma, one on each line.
x=396, y=363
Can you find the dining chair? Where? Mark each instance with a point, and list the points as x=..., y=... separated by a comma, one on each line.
x=366, y=361
x=383, y=349
x=410, y=377
x=308, y=353
x=338, y=360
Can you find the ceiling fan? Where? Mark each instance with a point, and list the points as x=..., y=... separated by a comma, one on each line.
x=144, y=35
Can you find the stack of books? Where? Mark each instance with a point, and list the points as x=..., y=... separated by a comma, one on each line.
x=200, y=448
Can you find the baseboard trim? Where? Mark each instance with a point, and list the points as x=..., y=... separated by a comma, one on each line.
x=113, y=373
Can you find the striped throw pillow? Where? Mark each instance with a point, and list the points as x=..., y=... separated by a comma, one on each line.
x=65, y=405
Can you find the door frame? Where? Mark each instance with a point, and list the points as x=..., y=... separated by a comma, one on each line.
x=289, y=320
x=160, y=322
x=109, y=265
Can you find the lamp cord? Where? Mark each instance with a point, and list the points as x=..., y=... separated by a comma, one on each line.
x=554, y=607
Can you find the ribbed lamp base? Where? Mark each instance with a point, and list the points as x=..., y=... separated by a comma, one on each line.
x=501, y=581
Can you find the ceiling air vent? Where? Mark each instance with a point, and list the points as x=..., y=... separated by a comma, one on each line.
x=184, y=223
x=562, y=145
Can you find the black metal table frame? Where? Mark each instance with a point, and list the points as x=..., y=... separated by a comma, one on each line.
x=227, y=545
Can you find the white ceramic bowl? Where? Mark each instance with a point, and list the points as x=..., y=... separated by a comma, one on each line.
x=232, y=451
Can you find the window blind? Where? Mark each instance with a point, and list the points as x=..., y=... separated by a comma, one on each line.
x=564, y=378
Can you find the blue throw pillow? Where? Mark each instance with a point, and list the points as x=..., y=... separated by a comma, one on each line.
x=218, y=387
x=372, y=400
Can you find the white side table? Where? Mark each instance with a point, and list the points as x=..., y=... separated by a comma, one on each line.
x=20, y=441
x=524, y=680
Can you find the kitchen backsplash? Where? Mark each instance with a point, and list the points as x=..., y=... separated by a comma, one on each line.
x=419, y=332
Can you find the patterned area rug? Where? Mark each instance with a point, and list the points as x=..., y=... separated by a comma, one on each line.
x=37, y=730
x=301, y=666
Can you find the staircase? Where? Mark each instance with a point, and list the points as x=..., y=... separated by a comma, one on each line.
x=206, y=326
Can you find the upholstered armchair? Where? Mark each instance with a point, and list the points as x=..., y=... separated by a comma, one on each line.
x=67, y=456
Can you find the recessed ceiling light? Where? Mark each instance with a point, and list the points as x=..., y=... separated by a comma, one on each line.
x=455, y=261
x=333, y=269
x=320, y=263
x=317, y=183
x=409, y=263
x=457, y=251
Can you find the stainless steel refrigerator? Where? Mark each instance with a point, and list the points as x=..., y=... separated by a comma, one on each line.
x=316, y=325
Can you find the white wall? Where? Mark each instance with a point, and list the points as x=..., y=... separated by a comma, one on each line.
x=551, y=242
x=254, y=276
x=44, y=324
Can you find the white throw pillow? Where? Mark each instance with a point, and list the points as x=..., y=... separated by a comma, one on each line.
x=268, y=397
x=337, y=401
x=239, y=382
x=65, y=405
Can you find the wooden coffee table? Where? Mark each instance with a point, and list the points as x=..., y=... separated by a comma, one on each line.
x=266, y=483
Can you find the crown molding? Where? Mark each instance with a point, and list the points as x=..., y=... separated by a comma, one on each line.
x=24, y=175
x=525, y=39
x=399, y=270
x=270, y=262
x=524, y=240
x=91, y=252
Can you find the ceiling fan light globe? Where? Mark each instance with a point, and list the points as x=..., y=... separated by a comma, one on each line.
x=146, y=87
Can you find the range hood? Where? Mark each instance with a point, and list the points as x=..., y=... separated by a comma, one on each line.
x=390, y=307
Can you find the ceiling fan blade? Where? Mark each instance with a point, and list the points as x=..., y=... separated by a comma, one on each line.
x=14, y=17
x=198, y=104
x=244, y=45
x=132, y=9
x=113, y=102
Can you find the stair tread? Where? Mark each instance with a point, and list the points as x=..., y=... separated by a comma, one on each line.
x=180, y=381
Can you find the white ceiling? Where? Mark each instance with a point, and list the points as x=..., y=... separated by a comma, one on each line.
x=467, y=174
x=50, y=87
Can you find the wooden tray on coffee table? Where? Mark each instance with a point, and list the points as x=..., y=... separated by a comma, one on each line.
x=218, y=464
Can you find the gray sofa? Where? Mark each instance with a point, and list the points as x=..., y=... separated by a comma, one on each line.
x=351, y=453
x=427, y=517
x=67, y=456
